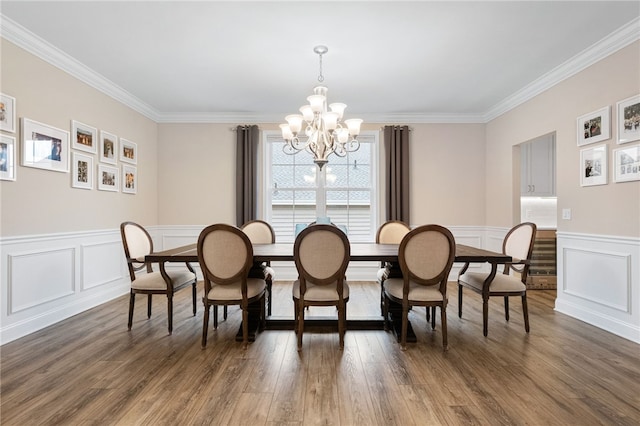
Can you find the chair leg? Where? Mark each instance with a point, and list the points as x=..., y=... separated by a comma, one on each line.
x=170, y=312
x=300, y=323
x=525, y=312
x=428, y=314
x=224, y=312
x=405, y=326
x=385, y=313
x=205, y=325
x=459, y=301
x=263, y=312
x=485, y=315
x=506, y=308
x=443, y=324
x=295, y=315
x=132, y=303
x=269, y=284
x=245, y=326
x=215, y=317
x=194, y=297
x=433, y=317
x=341, y=323
x=148, y=306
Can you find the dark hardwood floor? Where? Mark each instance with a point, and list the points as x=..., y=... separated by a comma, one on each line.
x=89, y=370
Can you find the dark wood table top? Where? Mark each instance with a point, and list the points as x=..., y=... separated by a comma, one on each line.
x=359, y=252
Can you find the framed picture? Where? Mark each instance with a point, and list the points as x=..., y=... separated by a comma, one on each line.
x=44, y=147
x=84, y=138
x=595, y=126
x=107, y=178
x=129, y=179
x=7, y=157
x=108, y=147
x=81, y=171
x=593, y=166
x=7, y=113
x=629, y=119
x=626, y=163
x=128, y=151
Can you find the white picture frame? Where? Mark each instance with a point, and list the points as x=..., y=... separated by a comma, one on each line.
x=108, y=148
x=594, y=127
x=7, y=113
x=108, y=178
x=81, y=171
x=629, y=119
x=84, y=137
x=128, y=151
x=593, y=166
x=626, y=163
x=44, y=147
x=129, y=179
x=7, y=157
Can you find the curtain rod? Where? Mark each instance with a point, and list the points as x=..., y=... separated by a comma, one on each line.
x=395, y=126
x=234, y=129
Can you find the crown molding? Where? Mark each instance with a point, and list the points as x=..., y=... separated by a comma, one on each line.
x=30, y=42
x=25, y=39
x=615, y=41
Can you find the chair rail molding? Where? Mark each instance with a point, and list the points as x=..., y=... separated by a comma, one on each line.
x=599, y=282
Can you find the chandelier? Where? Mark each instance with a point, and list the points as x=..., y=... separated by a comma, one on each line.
x=324, y=131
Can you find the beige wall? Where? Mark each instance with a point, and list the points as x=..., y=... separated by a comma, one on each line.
x=612, y=209
x=42, y=201
x=455, y=178
x=447, y=174
x=196, y=176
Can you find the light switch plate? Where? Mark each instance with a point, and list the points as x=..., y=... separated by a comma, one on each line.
x=566, y=214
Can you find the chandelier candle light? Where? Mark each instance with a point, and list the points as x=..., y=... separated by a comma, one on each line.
x=325, y=131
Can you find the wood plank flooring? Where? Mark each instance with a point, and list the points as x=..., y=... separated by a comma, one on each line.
x=89, y=370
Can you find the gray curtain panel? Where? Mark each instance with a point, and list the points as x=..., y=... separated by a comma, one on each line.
x=246, y=173
x=396, y=163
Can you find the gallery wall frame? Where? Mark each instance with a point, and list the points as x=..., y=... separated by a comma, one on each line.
x=629, y=119
x=626, y=163
x=7, y=113
x=7, y=157
x=594, y=127
x=84, y=137
x=593, y=166
x=128, y=151
x=129, y=179
x=108, y=178
x=82, y=171
x=44, y=147
x=108, y=148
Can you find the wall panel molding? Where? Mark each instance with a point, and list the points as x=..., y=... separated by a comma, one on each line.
x=599, y=281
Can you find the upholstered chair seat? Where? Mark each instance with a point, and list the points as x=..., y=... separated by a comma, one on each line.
x=321, y=254
x=137, y=244
x=225, y=254
x=426, y=255
x=518, y=243
x=260, y=232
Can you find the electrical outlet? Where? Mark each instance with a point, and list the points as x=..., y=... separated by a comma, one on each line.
x=566, y=214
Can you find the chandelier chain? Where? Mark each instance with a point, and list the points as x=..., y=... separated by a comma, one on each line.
x=320, y=76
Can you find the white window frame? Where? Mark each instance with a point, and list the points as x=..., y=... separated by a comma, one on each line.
x=371, y=137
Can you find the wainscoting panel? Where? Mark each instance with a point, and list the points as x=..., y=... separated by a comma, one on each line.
x=48, y=278
x=40, y=276
x=102, y=263
x=599, y=282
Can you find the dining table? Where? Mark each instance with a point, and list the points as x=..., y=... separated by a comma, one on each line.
x=358, y=252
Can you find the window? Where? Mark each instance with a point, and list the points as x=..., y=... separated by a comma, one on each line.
x=292, y=193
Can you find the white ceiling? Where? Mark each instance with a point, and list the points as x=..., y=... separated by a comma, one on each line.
x=416, y=61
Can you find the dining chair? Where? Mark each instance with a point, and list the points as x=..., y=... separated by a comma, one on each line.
x=137, y=244
x=518, y=243
x=321, y=253
x=260, y=232
x=226, y=256
x=426, y=255
x=390, y=232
